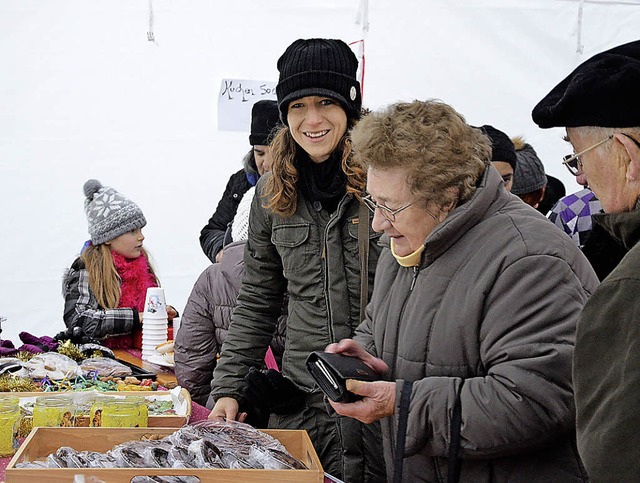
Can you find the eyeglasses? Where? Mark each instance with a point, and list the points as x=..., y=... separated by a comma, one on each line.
x=573, y=161
x=388, y=213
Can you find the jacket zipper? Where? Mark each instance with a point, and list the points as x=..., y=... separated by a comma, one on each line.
x=414, y=277
x=325, y=243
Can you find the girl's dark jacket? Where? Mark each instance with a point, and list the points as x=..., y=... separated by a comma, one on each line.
x=81, y=308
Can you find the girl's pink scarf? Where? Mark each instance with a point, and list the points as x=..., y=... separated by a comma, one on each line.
x=136, y=278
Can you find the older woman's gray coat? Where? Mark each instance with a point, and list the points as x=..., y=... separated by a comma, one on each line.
x=493, y=308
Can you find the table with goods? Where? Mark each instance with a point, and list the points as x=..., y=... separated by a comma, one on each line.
x=110, y=416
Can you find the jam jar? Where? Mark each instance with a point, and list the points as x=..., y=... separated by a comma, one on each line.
x=53, y=411
x=126, y=412
x=9, y=421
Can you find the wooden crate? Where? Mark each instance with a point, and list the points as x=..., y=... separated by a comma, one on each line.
x=155, y=421
x=43, y=441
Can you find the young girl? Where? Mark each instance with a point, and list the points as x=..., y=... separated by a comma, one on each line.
x=106, y=286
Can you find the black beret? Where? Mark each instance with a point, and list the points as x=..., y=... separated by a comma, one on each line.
x=603, y=91
x=502, y=148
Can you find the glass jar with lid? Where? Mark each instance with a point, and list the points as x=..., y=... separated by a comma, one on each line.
x=9, y=421
x=126, y=412
x=53, y=411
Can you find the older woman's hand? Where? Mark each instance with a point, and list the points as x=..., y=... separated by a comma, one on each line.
x=349, y=347
x=378, y=401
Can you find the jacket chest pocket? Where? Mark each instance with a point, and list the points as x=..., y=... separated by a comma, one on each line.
x=293, y=244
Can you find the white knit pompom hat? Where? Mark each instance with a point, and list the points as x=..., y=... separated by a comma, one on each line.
x=240, y=225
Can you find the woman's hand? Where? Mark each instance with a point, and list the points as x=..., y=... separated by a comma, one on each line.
x=227, y=408
x=379, y=397
x=378, y=401
x=349, y=347
x=171, y=313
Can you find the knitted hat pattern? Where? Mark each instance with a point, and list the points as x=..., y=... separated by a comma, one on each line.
x=529, y=175
x=501, y=146
x=265, y=117
x=240, y=224
x=109, y=213
x=319, y=67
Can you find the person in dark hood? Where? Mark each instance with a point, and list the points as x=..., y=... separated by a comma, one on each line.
x=264, y=119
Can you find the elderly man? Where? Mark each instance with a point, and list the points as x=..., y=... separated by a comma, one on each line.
x=599, y=104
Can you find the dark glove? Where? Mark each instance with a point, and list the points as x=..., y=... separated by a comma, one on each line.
x=76, y=335
x=272, y=391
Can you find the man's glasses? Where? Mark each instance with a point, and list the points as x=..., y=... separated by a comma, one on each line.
x=573, y=162
x=388, y=213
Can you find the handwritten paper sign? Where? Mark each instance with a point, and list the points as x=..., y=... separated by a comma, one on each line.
x=236, y=98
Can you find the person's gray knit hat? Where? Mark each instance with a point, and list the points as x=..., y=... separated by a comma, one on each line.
x=529, y=174
x=109, y=213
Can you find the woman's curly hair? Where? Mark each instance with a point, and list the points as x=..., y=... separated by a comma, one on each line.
x=281, y=192
x=443, y=156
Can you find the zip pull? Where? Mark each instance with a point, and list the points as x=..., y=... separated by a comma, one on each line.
x=413, y=280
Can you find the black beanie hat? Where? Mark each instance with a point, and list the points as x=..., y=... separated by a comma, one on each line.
x=502, y=148
x=264, y=118
x=603, y=91
x=319, y=67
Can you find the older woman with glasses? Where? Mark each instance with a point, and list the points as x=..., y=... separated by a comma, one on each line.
x=472, y=319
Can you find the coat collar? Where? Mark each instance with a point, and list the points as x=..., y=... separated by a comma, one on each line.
x=489, y=197
x=624, y=227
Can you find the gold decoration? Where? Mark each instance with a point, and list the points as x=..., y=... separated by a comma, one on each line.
x=11, y=383
x=25, y=356
x=71, y=350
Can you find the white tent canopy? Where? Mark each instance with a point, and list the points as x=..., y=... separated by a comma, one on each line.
x=85, y=94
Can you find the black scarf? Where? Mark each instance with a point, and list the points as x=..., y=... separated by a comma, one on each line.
x=322, y=182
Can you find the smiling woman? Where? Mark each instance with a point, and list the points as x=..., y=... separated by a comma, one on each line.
x=303, y=232
x=317, y=124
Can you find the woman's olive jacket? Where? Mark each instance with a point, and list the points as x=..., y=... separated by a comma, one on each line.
x=312, y=255
x=489, y=313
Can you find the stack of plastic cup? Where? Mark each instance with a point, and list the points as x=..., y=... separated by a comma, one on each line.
x=154, y=321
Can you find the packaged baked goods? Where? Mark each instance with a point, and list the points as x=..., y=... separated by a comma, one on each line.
x=104, y=367
x=204, y=445
x=52, y=365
